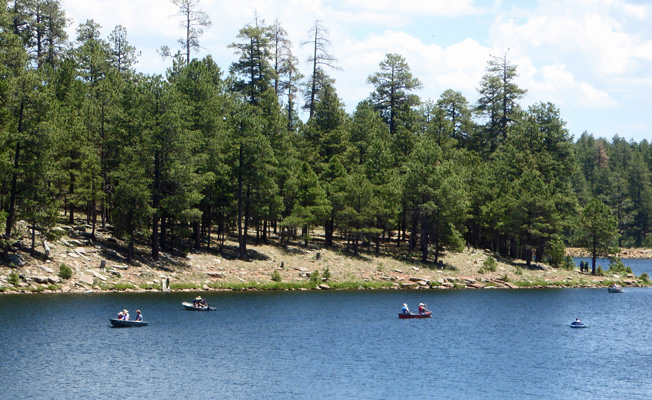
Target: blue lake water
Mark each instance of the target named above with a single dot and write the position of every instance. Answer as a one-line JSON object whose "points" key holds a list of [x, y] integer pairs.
{"points": [[485, 344], [638, 266]]}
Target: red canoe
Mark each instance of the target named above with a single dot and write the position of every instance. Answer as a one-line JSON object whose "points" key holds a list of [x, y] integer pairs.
{"points": [[405, 316]]}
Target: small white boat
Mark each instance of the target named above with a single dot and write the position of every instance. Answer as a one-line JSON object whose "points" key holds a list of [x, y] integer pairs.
{"points": [[191, 307], [121, 323]]}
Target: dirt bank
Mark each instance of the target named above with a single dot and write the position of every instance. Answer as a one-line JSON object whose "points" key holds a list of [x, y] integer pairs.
{"points": [[99, 265]]}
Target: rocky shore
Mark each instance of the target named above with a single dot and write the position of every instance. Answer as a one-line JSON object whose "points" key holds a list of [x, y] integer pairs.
{"points": [[98, 265], [637, 253]]}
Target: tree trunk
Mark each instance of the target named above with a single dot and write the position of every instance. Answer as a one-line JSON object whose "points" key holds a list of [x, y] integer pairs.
{"points": [[242, 243], [14, 191], [329, 227], [425, 228], [197, 234], [156, 204], [71, 191]]}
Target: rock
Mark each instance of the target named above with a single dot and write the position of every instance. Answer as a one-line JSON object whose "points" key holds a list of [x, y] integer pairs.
{"points": [[475, 285], [215, 274], [324, 287], [87, 279], [17, 260], [53, 279], [113, 254], [46, 269], [415, 268], [98, 275], [46, 248], [120, 266], [398, 271], [40, 279], [66, 289]]}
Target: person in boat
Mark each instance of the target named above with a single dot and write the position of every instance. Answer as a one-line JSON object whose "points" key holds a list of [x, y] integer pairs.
{"points": [[139, 316], [203, 303], [120, 314], [125, 315], [406, 310], [197, 301], [422, 309], [577, 321]]}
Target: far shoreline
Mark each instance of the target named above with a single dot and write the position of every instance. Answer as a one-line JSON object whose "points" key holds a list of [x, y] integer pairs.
{"points": [[99, 266]]}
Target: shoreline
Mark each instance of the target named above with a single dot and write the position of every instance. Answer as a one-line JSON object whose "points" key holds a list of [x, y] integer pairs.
{"points": [[98, 266]]}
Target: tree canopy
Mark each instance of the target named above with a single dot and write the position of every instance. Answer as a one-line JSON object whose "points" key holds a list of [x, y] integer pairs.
{"points": [[206, 151]]}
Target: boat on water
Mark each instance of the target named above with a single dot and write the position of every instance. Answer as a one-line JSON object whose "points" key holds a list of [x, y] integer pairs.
{"points": [[578, 324], [192, 307], [121, 323], [616, 289], [408, 316]]}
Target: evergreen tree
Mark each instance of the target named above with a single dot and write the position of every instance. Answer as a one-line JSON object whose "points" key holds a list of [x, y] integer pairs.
{"points": [[393, 89], [193, 21], [253, 72], [499, 95], [123, 55], [319, 60], [456, 110], [598, 230]]}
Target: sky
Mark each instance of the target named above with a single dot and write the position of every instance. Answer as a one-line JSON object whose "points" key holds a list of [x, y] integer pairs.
{"points": [[591, 58]]}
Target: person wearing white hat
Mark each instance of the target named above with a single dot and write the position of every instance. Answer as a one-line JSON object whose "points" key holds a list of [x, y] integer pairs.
{"points": [[422, 308], [406, 310], [125, 315]]}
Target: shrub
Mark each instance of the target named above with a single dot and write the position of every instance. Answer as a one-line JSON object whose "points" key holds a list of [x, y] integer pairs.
{"points": [[556, 252], [616, 266], [276, 276], [184, 285], [14, 279], [644, 277], [599, 271], [123, 286], [65, 272], [314, 277], [327, 274], [490, 264]]}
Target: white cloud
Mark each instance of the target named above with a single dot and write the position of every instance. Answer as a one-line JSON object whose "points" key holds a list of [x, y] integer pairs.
{"points": [[581, 55], [419, 7]]}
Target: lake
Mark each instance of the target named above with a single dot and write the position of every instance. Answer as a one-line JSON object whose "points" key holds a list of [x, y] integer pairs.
{"points": [[638, 266], [480, 344]]}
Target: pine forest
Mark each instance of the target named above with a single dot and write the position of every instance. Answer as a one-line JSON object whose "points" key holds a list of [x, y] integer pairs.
{"points": [[184, 160]]}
